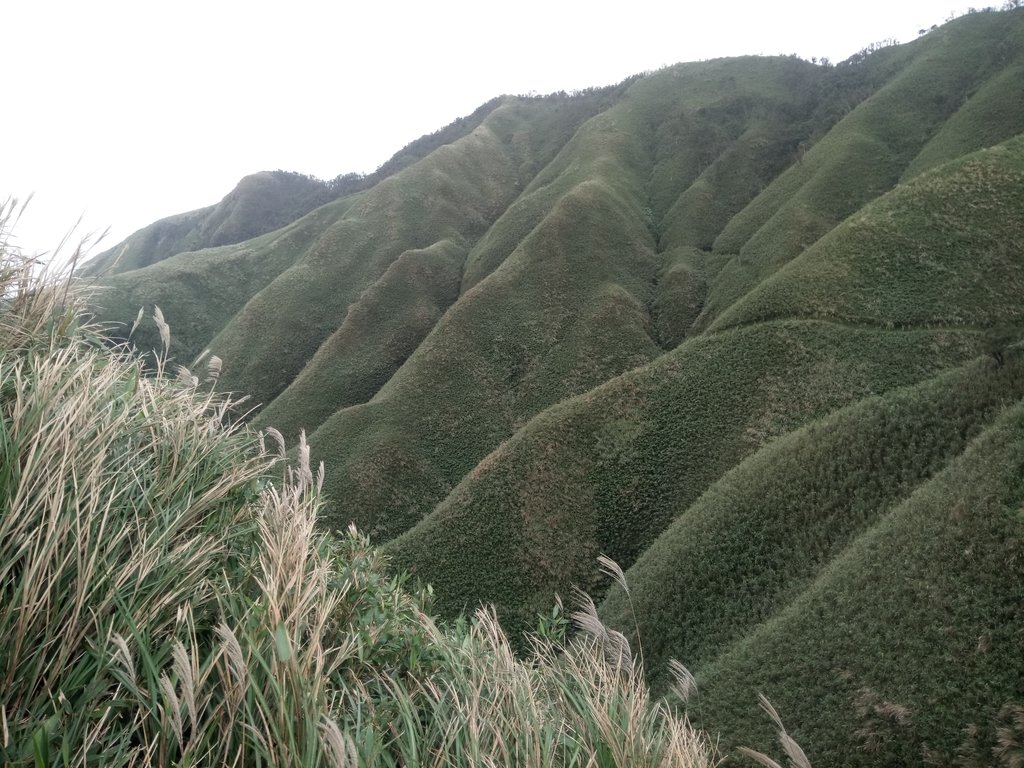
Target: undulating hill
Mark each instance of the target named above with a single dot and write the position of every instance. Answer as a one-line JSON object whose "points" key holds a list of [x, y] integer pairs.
{"points": [[260, 203], [744, 325]]}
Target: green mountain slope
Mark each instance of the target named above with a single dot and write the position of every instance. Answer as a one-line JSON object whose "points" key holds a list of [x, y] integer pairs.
{"points": [[873, 146], [906, 648], [610, 470], [263, 202], [260, 203], [781, 516], [726, 322], [945, 246]]}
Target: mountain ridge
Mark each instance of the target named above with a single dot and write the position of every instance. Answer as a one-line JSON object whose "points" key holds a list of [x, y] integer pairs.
{"points": [[568, 328]]}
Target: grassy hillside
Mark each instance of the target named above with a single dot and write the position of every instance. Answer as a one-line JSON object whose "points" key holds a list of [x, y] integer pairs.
{"points": [[609, 471], [167, 600], [922, 86], [725, 322], [263, 202], [201, 291], [575, 302], [381, 330], [260, 203], [780, 517], [906, 649], [946, 247]]}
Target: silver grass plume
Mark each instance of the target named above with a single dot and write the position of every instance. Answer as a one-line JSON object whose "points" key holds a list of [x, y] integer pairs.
{"points": [[185, 377], [138, 319], [305, 473], [685, 684], [278, 438], [611, 568], [614, 644], [213, 369], [163, 327], [797, 758]]}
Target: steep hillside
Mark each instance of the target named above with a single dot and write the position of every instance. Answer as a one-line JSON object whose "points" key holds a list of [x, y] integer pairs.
{"points": [[610, 470], [739, 324], [906, 649]]}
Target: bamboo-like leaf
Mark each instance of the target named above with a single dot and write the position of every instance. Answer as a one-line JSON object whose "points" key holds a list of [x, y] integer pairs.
{"points": [[283, 643]]}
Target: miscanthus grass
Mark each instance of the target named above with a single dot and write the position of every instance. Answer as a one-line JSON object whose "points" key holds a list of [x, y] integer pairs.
{"points": [[167, 599]]}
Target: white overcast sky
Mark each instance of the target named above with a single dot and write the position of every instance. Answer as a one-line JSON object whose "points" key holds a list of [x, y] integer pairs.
{"points": [[126, 112]]}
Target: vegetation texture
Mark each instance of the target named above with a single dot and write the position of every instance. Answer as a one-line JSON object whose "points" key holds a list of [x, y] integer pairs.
{"points": [[748, 326], [167, 600]]}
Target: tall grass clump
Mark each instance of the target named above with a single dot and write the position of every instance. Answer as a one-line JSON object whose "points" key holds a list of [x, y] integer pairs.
{"points": [[127, 504], [167, 598], [569, 703]]}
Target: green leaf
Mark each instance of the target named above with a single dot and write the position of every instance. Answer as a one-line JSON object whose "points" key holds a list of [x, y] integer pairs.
{"points": [[284, 645], [41, 747]]}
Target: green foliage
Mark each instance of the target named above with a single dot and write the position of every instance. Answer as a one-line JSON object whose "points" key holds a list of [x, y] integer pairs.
{"points": [[921, 86], [551, 209], [381, 330], [679, 295], [507, 349], [779, 518], [260, 203]]}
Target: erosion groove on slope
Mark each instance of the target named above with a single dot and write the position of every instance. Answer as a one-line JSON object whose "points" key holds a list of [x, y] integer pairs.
{"points": [[779, 517], [609, 470]]}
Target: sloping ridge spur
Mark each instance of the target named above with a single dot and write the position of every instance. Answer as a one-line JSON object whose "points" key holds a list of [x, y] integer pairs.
{"points": [[906, 647]]}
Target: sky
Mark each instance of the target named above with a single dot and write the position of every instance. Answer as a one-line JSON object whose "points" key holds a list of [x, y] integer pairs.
{"points": [[116, 114]]}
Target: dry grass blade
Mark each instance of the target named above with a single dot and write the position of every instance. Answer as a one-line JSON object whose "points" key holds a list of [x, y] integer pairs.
{"points": [[766, 705], [183, 668], [612, 569], [305, 474], [585, 616], [618, 652], [236, 680], [338, 747], [185, 377], [796, 755], [1009, 749], [172, 708], [613, 644], [123, 655], [279, 439], [793, 750], [138, 319], [758, 757]]}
